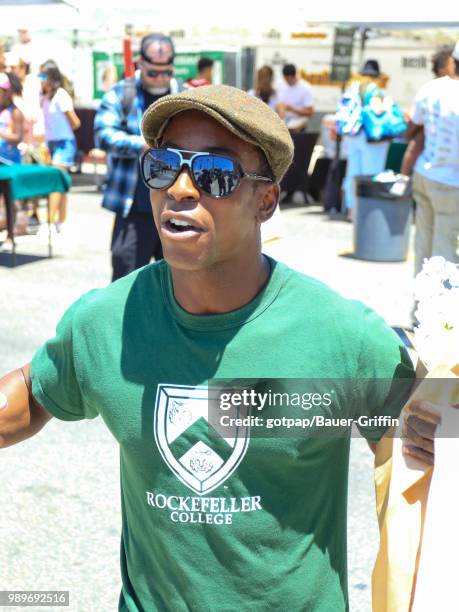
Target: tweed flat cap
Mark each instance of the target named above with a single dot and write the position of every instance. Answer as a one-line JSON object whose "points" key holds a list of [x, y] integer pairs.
{"points": [[245, 116]]}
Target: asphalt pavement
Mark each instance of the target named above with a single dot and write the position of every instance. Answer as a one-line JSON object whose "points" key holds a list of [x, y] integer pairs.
{"points": [[59, 493]]}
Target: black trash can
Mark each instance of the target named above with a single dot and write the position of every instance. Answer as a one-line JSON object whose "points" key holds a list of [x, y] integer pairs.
{"points": [[382, 221]]}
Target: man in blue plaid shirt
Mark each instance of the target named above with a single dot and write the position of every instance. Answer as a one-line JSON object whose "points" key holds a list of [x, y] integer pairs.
{"points": [[135, 238]]}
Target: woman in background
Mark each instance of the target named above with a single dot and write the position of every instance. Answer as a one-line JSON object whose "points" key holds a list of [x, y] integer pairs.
{"points": [[60, 121], [11, 119], [28, 101], [264, 86], [33, 148], [273, 229], [11, 131]]}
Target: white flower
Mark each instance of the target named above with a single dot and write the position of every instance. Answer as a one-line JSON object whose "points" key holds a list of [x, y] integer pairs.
{"points": [[435, 266]]}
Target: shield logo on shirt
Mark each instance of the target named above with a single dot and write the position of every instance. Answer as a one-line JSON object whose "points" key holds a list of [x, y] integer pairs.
{"points": [[198, 455]]}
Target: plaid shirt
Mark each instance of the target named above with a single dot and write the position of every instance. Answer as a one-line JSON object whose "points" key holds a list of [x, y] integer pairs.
{"points": [[124, 146]]}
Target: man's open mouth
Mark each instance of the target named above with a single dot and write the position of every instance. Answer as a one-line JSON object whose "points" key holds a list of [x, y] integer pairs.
{"points": [[178, 226]]}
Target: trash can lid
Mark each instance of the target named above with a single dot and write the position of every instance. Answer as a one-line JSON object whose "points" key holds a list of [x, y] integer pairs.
{"points": [[397, 189]]}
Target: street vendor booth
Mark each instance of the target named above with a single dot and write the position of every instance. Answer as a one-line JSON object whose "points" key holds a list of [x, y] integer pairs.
{"points": [[20, 182]]}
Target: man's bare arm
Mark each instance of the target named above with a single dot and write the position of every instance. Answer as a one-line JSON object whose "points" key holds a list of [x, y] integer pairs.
{"points": [[413, 151], [305, 111], [21, 416], [411, 130]]}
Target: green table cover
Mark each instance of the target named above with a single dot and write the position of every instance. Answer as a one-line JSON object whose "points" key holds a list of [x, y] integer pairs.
{"points": [[30, 181]]}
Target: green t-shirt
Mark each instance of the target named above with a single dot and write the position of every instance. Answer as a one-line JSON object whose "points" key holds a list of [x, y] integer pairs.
{"points": [[250, 523]]}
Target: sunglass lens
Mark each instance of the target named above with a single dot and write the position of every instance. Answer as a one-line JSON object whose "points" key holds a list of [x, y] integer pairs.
{"points": [[160, 168], [215, 175]]}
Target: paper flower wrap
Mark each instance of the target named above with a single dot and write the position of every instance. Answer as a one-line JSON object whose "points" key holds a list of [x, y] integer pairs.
{"points": [[418, 505]]}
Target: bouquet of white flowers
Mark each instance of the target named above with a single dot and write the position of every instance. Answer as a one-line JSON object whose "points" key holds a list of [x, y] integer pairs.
{"points": [[436, 339]]}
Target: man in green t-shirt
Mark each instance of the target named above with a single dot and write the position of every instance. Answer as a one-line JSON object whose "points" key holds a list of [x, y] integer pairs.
{"points": [[250, 516]]}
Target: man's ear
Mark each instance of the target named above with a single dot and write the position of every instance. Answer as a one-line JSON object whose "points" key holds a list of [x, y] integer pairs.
{"points": [[268, 200]]}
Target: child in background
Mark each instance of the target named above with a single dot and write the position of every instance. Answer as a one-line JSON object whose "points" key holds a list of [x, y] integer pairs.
{"points": [[60, 122]]}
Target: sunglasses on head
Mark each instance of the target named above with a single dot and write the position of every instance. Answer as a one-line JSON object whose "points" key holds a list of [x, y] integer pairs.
{"points": [[216, 175], [157, 73]]}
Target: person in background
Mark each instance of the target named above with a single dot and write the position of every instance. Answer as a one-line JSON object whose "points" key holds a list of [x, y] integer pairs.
{"points": [[294, 106], [363, 157], [29, 101], [295, 102], [26, 48], [442, 65], [204, 76], [60, 121], [13, 64], [32, 147], [135, 238], [11, 129], [443, 62], [436, 172], [264, 88], [11, 118]]}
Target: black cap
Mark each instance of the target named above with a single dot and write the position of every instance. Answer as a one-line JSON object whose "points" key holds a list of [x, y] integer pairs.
{"points": [[371, 68]]}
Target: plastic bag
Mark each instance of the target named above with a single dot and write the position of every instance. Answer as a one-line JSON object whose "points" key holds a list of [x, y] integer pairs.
{"points": [[349, 113], [381, 117]]}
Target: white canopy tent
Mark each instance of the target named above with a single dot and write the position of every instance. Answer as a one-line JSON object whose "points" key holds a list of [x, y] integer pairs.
{"points": [[256, 15], [38, 15]]}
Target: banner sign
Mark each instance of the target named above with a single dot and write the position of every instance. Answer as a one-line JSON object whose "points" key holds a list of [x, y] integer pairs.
{"points": [[342, 54]]}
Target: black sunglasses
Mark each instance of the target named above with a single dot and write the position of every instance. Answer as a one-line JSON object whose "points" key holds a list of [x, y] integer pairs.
{"points": [[216, 175], [157, 73]]}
